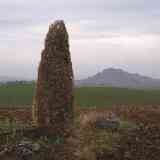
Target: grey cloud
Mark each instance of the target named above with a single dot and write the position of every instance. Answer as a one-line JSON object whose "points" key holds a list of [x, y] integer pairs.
{"points": [[99, 22]]}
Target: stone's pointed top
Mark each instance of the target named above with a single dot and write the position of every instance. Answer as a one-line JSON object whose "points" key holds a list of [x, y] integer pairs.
{"points": [[57, 36], [58, 25], [58, 22]]}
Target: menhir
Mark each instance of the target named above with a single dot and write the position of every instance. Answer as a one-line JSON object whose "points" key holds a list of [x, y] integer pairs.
{"points": [[53, 107]]}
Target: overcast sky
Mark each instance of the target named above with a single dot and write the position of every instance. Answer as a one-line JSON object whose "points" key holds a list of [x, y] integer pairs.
{"points": [[103, 33]]}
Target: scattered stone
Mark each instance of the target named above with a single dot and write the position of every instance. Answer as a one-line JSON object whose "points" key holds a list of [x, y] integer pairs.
{"points": [[102, 123], [26, 142], [4, 151], [36, 147], [23, 152], [142, 143]]}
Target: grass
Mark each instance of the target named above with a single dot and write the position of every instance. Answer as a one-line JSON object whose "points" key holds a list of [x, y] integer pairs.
{"points": [[8, 125], [16, 94], [109, 96]]}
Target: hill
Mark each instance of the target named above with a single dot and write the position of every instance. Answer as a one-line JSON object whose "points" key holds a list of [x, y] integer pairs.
{"points": [[119, 78]]}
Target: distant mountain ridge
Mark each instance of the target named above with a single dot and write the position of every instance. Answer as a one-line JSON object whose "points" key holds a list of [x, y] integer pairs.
{"points": [[119, 78], [4, 79], [108, 77]]}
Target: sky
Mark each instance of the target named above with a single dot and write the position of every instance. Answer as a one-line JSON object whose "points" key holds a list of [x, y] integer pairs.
{"points": [[103, 33]]}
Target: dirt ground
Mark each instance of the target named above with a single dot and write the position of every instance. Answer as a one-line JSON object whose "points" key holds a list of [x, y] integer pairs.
{"points": [[88, 142]]}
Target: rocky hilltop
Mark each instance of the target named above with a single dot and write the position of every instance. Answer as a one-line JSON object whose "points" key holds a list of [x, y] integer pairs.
{"points": [[119, 78]]}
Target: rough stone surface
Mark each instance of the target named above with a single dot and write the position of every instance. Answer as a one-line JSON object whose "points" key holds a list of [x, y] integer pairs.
{"points": [[53, 106], [141, 143]]}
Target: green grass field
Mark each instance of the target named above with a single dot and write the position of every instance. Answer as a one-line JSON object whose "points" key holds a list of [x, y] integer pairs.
{"points": [[22, 94], [109, 96], [16, 94]]}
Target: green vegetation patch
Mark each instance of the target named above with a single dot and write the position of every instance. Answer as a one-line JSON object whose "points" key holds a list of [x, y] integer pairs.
{"points": [[16, 94], [109, 96], [21, 94]]}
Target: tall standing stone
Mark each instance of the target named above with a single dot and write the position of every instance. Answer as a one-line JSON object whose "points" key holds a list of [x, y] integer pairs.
{"points": [[54, 89]]}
